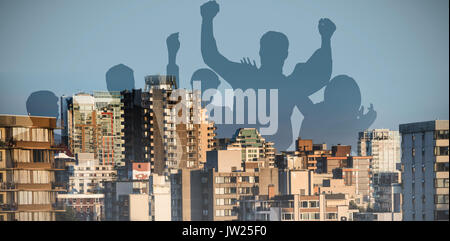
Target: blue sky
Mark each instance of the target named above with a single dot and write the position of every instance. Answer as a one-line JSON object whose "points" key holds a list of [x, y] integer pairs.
{"points": [[397, 51]]}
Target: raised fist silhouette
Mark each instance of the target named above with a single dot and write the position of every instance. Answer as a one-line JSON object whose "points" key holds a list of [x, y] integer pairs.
{"points": [[326, 28], [173, 44], [209, 9]]}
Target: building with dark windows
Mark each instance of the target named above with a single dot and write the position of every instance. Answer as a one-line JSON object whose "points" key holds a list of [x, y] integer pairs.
{"points": [[425, 170]]}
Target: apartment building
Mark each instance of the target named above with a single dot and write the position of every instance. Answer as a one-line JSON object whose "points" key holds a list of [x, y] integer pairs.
{"points": [[384, 146], [94, 125], [322, 207], [190, 195], [425, 170], [127, 200], [27, 169], [87, 207], [177, 139], [388, 193], [89, 176], [253, 146]]}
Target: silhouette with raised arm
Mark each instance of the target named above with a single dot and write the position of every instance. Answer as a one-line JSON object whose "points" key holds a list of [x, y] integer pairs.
{"points": [[207, 78], [42, 103], [306, 79], [339, 118], [120, 77]]}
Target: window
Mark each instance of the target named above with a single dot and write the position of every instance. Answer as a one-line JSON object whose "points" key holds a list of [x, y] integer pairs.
{"points": [[219, 180], [439, 182], [316, 216], [2, 198], [304, 204], [228, 212], [331, 215], [441, 135], [441, 151], [220, 190], [287, 216], [441, 199], [220, 213], [1, 177], [441, 167], [220, 201], [314, 204], [304, 216]]}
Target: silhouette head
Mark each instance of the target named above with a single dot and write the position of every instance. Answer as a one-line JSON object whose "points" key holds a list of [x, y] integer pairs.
{"points": [[343, 94], [273, 49], [42, 103], [207, 77], [119, 78]]}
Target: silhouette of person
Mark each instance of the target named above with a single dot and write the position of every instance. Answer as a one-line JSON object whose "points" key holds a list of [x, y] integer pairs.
{"points": [[119, 77], [42, 103], [207, 78], [339, 117], [306, 79]]}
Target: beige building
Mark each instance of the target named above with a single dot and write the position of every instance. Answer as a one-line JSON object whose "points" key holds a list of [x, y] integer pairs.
{"points": [[253, 146], [322, 207], [87, 207], [127, 200], [89, 175], [225, 160], [27, 169]]}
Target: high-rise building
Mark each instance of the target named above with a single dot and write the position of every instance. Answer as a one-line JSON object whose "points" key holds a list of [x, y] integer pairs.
{"points": [[425, 170], [177, 139], [27, 168], [94, 125], [253, 146], [384, 146]]}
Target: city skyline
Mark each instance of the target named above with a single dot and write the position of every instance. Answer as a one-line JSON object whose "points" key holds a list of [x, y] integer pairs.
{"points": [[383, 45], [214, 110]]}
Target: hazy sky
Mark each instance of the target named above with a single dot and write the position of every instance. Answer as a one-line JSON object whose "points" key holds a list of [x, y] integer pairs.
{"points": [[397, 51]]}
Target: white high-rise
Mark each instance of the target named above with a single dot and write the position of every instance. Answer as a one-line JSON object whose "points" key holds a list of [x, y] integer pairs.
{"points": [[384, 146]]}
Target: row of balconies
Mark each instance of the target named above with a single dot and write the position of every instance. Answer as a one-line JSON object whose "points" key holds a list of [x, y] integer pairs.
{"points": [[13, 207], [12, 186]]}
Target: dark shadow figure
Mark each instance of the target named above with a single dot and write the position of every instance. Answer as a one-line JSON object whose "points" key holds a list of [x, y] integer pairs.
{"points": [[208, 81], [42, 103], [120, 77], [306, 79], [339, 118]]}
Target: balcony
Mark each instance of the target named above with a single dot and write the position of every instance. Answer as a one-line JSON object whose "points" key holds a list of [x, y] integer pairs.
{"points": [[8, 207], [8, 186]]}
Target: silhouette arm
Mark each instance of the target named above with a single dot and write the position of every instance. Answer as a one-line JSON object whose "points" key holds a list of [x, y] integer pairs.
{"points": [[229, 70], [173, 69], [305, 105], [173, 45], [316, 72]]}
